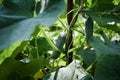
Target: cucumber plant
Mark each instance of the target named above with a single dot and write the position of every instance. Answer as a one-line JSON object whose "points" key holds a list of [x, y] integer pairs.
{"points": [[45, 40]]}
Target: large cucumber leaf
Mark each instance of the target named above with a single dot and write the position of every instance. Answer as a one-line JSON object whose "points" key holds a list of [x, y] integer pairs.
{"points": [[108, 57], [14, 11], [18, 24], [88, 56], [73, 71]]}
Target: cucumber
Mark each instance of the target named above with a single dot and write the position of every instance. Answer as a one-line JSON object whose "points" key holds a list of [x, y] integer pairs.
{"points": [[59, 44], [88, 28]]}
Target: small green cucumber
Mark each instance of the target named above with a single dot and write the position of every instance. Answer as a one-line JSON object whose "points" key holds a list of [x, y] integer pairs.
{"points": [[88, 28], [60, 43]]}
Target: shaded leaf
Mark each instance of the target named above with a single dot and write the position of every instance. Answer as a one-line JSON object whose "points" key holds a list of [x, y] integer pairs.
{"points": [[104, 18], [14, 11], [42, 45], [29, 77], [112, 27], [11, 67], [102, 5], [88, 56], [112, 44], [104, 12], [108, 57], [19, 5]]}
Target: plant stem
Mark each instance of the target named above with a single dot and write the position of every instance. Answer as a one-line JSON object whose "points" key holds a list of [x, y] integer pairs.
{"points": [[69, 42], [36, 46], [48, 39], [71, 22]]}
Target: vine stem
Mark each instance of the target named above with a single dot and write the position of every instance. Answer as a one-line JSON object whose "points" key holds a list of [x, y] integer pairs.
{"points": [[48, 39], [71, 22], [69, 41]]}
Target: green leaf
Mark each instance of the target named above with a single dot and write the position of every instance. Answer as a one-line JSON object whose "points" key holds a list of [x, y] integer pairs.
{"points": [[14, 11], [112, 44], [12, 51], [51, 12], [16, 32], [104, 12], [20, 6], [102, 5], [19, 26], [11, 68], [116, 1], [100, 47], [48, 40], [1, 2], [104, 18], [108, 57], [73, 71], [112, 27], [88, 56], [42, 45], [29, 77]]}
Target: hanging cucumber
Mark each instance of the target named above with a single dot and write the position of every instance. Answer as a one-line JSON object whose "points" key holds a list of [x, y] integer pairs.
{"points": [[59, 44], [88, 28]]}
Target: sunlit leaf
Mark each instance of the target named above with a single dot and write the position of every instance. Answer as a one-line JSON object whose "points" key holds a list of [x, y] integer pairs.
{"points": [[12, 51]]}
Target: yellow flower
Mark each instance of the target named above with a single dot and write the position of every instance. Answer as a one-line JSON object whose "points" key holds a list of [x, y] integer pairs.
{"points": [[38, 75]]}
